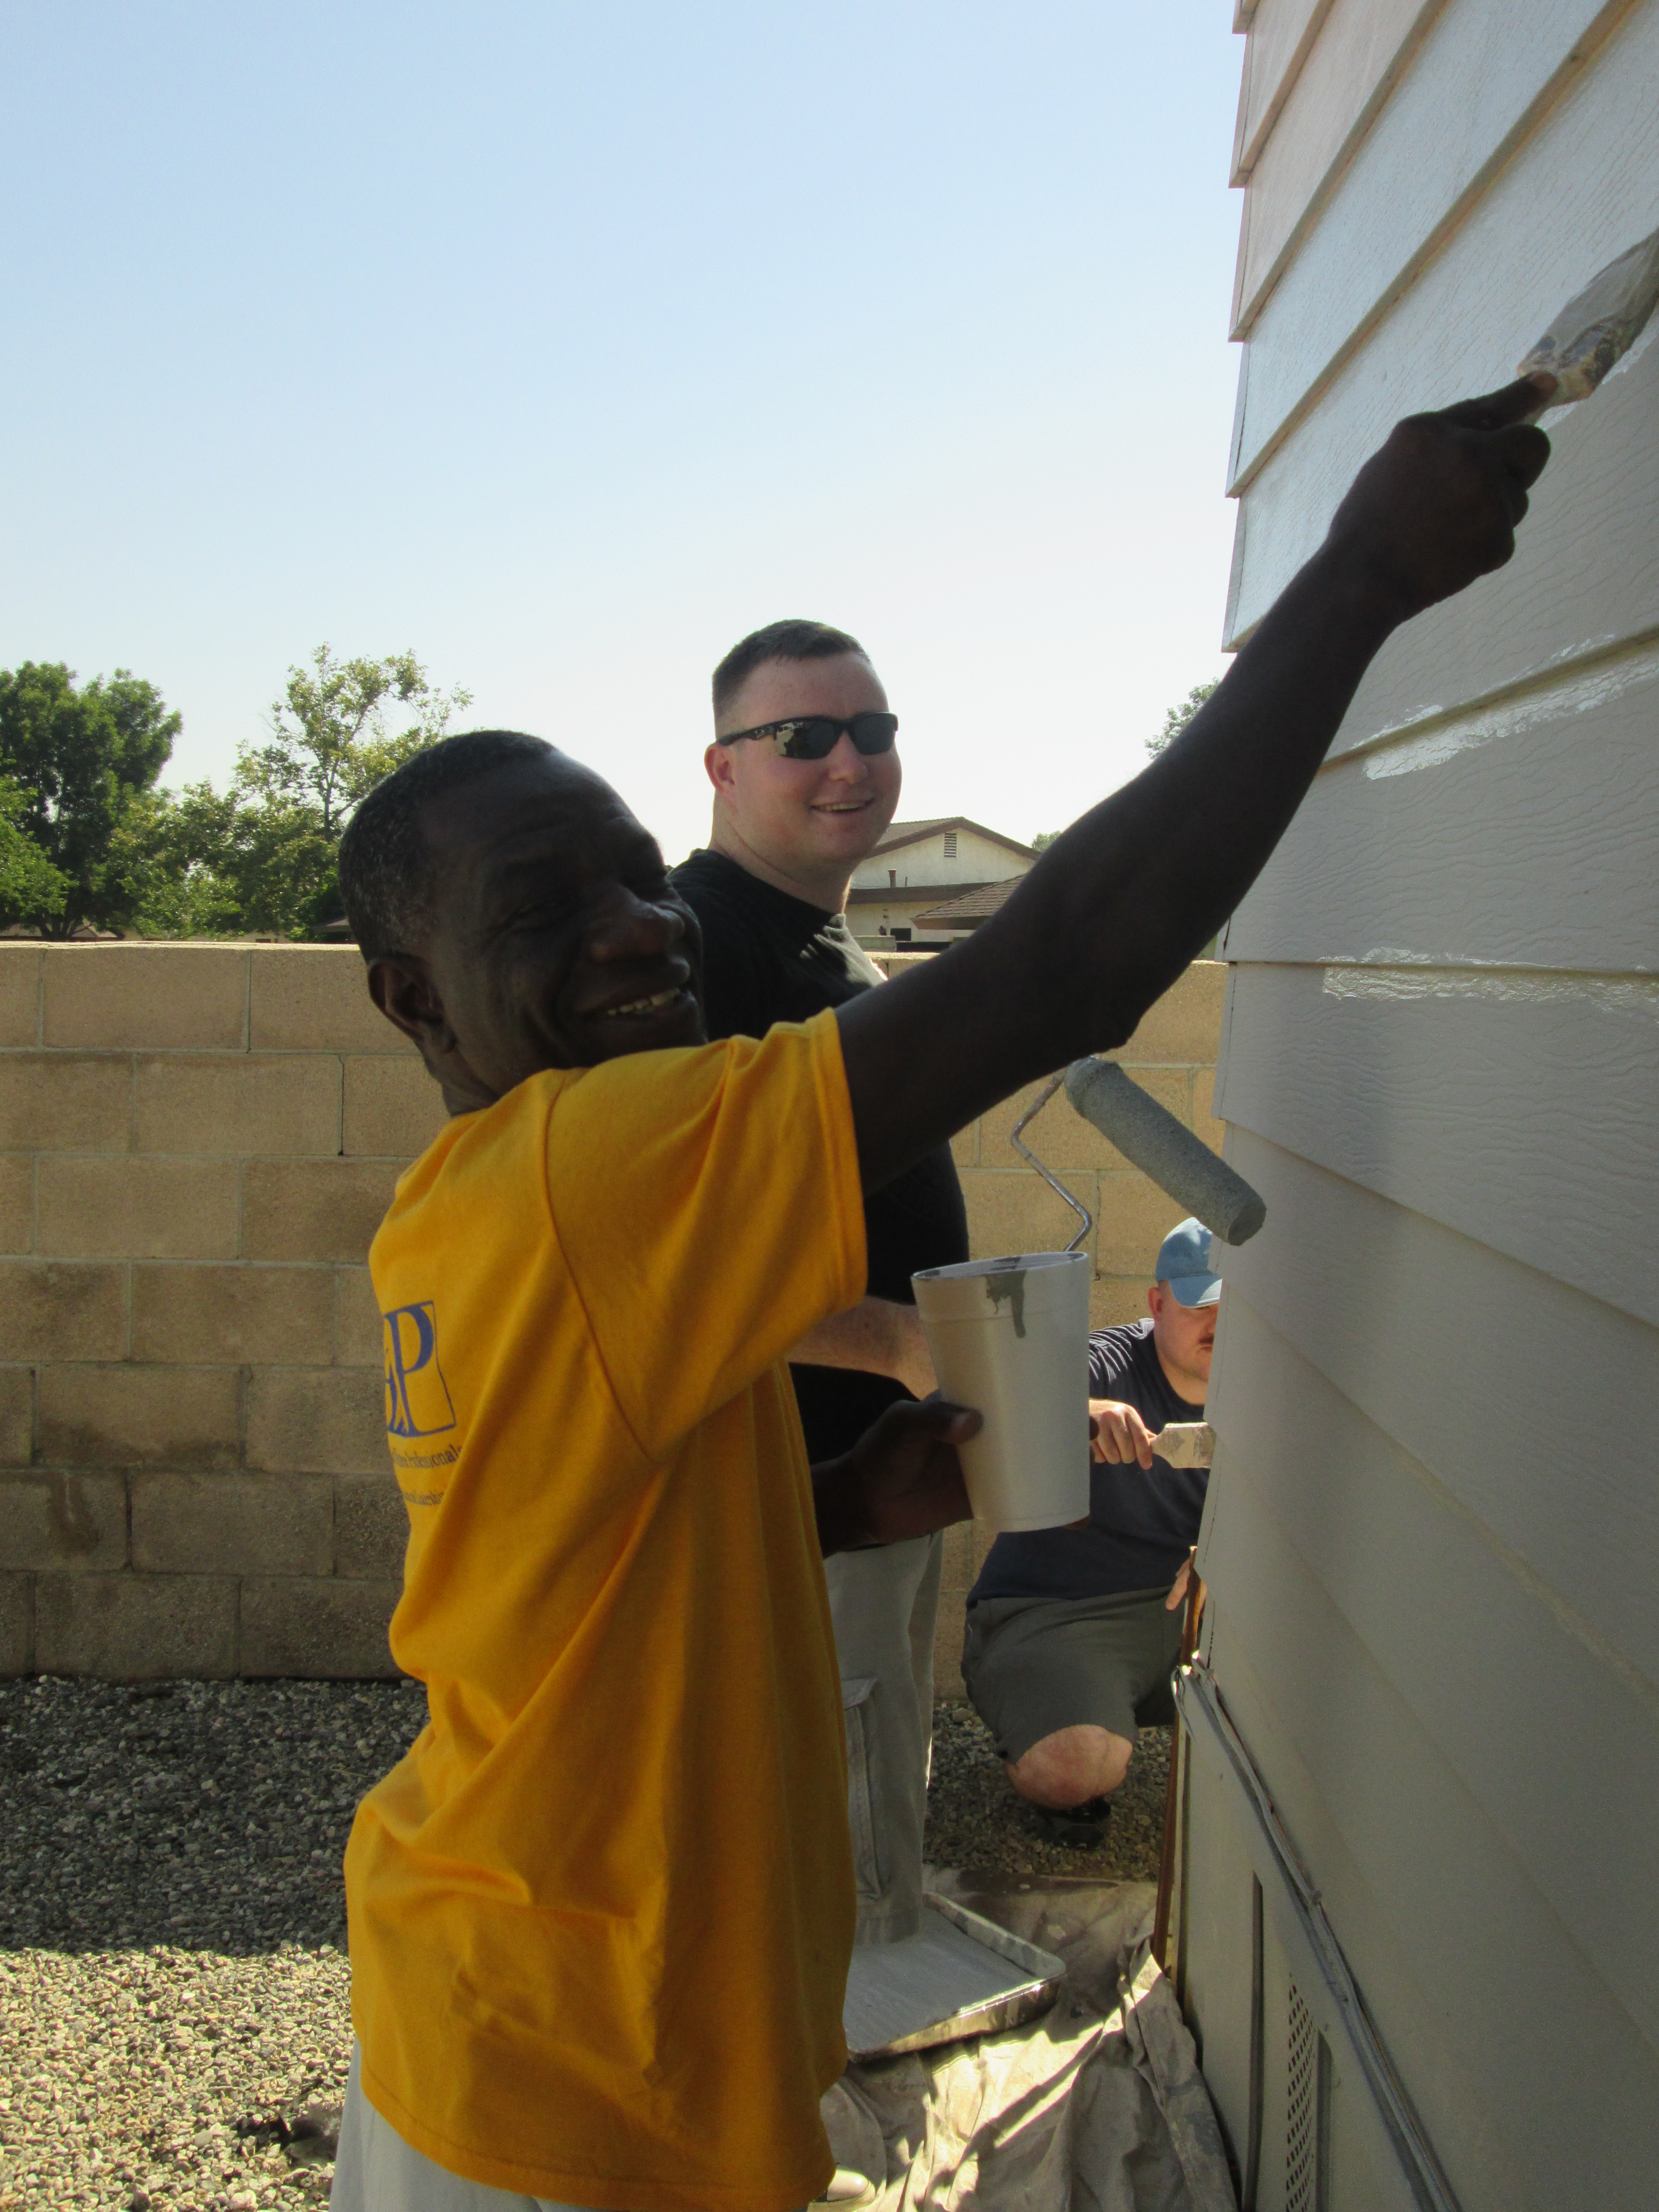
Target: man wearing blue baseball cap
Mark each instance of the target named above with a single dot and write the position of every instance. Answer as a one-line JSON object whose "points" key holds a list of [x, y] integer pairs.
{"points": [[1073, 1633]]}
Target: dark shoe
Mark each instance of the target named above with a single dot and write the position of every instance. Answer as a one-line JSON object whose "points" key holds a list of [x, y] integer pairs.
{"points": [[1078, 1828]]}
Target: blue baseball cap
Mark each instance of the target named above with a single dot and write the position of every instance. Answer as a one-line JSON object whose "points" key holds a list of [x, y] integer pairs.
{"points": [[1183, 1262]]}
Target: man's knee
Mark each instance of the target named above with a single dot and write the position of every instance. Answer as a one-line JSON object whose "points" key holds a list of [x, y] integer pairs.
{"points": [[1070, 1767]]}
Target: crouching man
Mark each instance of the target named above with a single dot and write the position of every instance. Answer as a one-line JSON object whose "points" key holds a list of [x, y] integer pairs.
{"points": [[1073, 1633]]}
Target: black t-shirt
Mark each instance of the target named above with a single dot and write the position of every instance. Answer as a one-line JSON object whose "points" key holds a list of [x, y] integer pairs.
{"points": [[769, 958], [1142, 1523]]}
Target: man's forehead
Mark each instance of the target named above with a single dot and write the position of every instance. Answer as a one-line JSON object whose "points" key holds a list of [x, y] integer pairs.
{"points": [[520, 809]]}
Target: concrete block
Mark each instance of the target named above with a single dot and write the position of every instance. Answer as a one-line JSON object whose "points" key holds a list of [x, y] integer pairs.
{"points": [[956, 1567], [1114, 1298], [393, 1109], [313, 1209], [1059, 1136], [314, 997], [178, 1417], [316, 1420], [283, 1104], [1135, 1218], [16, 1202], [17, 1416], [964, 1146], [1018, 1212], [233, 1524], [357, 1328], [226, 1315], [160, 998], [65, 1103], [324, 1630], [57, 1309], [371, 1527], [63, 1521], [19, 993], [1185, 1023], [16, 1625], [134, 1628], [1204, 1120], [949, 1688], [138, 1209]]}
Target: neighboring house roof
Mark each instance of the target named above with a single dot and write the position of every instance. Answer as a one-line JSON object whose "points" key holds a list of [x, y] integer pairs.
{"points": [[970, 909], [912, 833]]}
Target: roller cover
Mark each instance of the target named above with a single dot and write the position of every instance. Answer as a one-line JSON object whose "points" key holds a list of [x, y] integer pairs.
{"points": [[1166, 1150]]}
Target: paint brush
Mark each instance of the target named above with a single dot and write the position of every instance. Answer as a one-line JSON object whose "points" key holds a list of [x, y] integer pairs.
{"points": [[1597, 327]]}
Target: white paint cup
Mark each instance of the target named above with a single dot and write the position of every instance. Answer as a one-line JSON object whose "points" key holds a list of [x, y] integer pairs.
{"points": [[1011, 1337]]}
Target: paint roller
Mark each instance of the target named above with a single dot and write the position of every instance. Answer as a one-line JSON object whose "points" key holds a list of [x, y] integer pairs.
{"points": [[1149, 1136]]}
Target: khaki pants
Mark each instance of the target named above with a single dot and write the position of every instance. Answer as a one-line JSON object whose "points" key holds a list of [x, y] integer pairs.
{"points": [[884, 1602]]}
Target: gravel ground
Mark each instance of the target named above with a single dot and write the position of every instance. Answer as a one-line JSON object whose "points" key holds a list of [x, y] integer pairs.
{"points": [[173, 2024], [974, 1818]]}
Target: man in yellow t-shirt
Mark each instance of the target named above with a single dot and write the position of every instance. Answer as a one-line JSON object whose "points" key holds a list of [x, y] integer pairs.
{"points": [[600, 1915]]}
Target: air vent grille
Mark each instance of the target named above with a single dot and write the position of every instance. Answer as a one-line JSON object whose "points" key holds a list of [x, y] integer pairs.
{"points": [[1302, 2110]]}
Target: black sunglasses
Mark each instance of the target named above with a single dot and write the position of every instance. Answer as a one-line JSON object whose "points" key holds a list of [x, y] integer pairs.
{"points": [[814, 737]]}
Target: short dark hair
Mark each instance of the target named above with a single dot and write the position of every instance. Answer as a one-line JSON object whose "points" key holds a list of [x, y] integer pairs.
{"points": [[779, 640], [386, 877]]}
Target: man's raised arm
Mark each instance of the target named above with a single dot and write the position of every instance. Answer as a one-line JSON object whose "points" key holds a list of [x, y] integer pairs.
{"points": [[1116, 907]]}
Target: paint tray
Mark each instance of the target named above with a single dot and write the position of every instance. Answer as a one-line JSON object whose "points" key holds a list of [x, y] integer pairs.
{"points": [[959, 1975]]}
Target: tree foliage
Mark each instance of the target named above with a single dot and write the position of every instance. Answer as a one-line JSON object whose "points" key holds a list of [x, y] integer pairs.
{"points": [[80, 759], [31, 890], [261, 856], [1178, 719]]}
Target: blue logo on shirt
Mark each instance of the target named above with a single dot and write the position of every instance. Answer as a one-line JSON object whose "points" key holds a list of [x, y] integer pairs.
{"points": [[417, 1400]]}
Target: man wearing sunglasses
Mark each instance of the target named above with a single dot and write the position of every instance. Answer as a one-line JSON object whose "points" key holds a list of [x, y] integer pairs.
{"points": [[806, 779]]}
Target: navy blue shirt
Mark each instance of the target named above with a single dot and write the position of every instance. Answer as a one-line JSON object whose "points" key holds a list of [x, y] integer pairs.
{"points": [[1141, 1525]]}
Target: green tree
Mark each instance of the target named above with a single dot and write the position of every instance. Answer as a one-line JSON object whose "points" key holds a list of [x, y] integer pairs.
{"points": [[1178, 719], [81, 757], [31, 890], [261, 856], [330, 739]]}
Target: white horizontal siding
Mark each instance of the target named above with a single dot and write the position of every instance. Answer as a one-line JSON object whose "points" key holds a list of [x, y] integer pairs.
{"points": [[1499, 2028], [1585, 185], [1282, 34], [1522, 1109], [1432, 1596], [1530, 1403], [1475, 92], [1318, 116], [1433, 1530], [1523, 835]]}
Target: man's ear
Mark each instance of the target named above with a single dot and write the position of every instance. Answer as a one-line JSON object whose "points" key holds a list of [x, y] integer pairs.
{"points": [[717, 766], [404, 991]]}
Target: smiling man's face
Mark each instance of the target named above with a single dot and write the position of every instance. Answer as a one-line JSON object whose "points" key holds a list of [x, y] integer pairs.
{"points": [[809, 823], [555, 940]]}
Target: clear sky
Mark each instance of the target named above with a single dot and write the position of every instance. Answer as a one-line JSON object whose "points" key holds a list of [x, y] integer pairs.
{"points": [[567, 343]]}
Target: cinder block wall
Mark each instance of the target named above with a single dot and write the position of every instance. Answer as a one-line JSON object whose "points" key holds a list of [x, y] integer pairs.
{"points": [[1173, 1055], [196, 1142]]}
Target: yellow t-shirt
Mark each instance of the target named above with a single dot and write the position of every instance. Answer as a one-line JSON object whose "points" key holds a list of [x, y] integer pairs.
{"points": [[601, 1914]]}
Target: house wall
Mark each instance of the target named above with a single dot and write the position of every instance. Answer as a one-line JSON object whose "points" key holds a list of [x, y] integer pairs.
{"points": [[978, 860], [196, 1143], [1432, 1540]]}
